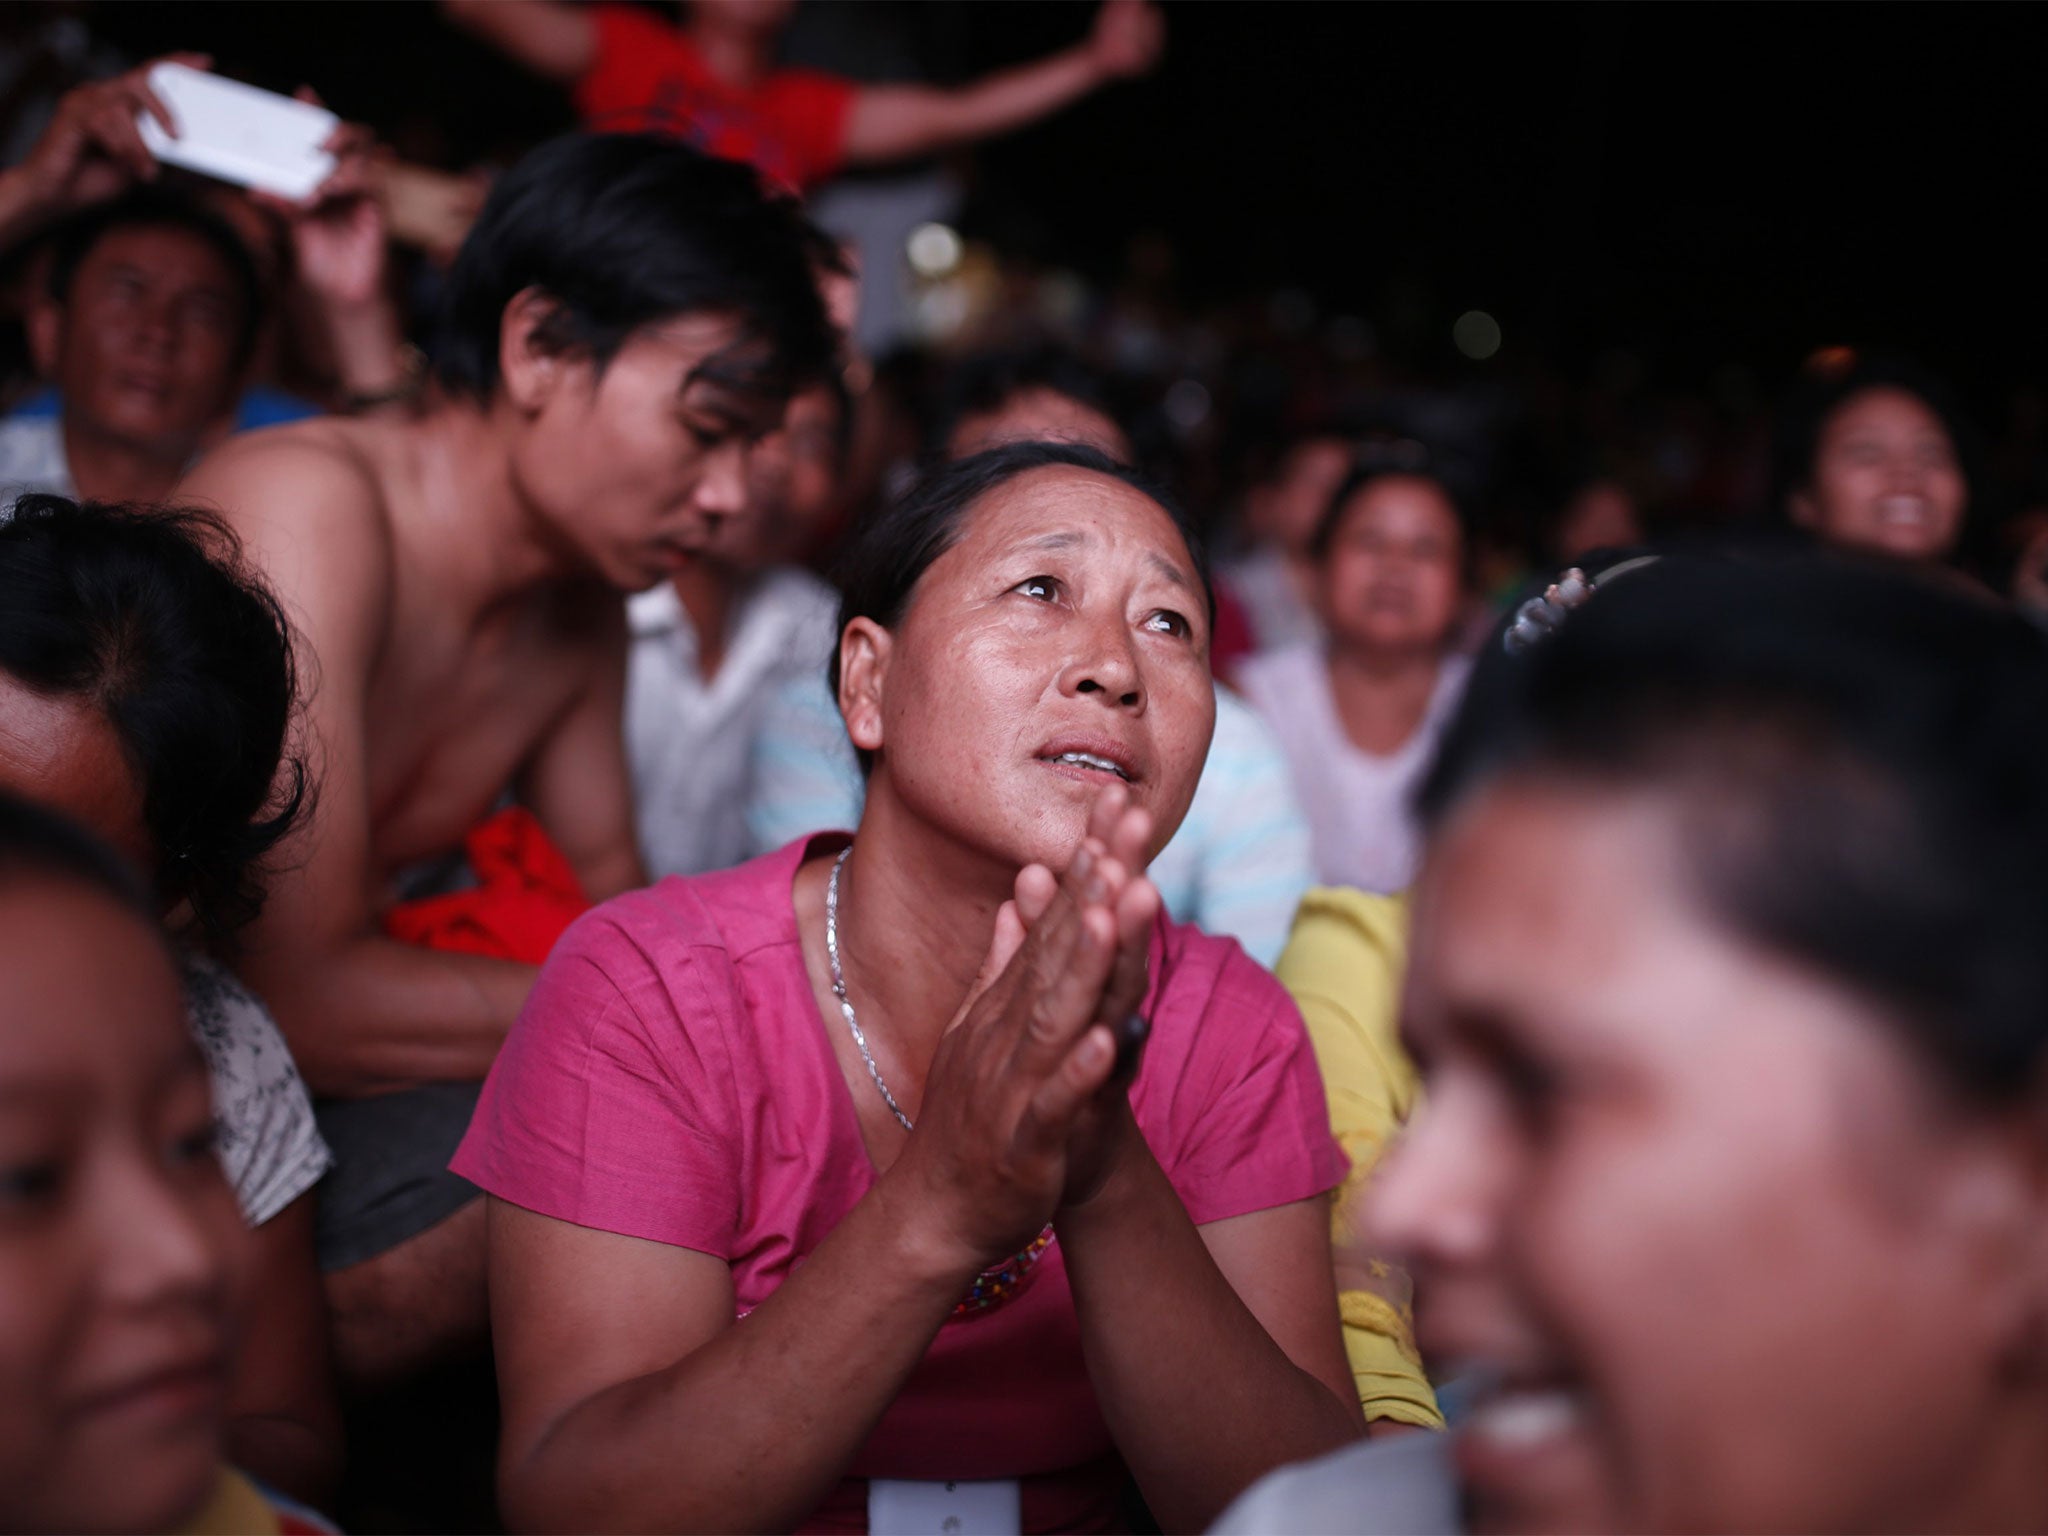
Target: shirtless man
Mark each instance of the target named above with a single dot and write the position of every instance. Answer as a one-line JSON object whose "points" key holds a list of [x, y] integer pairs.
{"points": [[627, 318]]}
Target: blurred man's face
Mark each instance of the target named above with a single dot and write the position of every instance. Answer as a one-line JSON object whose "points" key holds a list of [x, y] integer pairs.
{"points": [[1685, 1212], [144, 347], [643, 466]]}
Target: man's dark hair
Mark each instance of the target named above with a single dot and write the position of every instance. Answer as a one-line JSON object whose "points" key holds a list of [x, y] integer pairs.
{"points": [[149, 616], [982, 384], [161, 208], [622, 231], [39, 844], [1859, 761], [891, 550]]}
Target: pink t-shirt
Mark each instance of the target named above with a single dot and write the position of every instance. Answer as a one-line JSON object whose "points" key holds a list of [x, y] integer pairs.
{"points": [[671, 1079]]}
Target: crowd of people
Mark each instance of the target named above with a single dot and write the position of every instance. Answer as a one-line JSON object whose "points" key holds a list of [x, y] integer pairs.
{"points": [[965, 942]]}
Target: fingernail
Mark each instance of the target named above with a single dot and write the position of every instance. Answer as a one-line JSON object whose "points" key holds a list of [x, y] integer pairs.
{"points": [[1083, 861]]}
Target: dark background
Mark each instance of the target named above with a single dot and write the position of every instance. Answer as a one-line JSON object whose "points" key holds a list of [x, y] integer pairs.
{"points": [[1701, 186]]}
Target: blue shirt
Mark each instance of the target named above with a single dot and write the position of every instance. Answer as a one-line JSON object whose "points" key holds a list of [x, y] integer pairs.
{"points": [[261, 406]]}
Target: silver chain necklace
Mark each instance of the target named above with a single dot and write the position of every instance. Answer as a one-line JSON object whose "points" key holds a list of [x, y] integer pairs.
{"points": [[999, 1282], [839, 988]]}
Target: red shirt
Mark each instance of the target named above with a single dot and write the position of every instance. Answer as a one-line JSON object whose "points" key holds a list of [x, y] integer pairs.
{"points": [[649, 77], [671, 1079]]}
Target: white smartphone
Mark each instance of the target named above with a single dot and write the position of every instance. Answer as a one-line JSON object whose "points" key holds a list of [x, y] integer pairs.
{"points": [[238, 133]]}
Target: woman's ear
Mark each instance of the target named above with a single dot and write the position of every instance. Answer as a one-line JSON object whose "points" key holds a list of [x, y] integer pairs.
{"points": [[531, 362], [863, 675], [1804, 514], [1997, 1217]]}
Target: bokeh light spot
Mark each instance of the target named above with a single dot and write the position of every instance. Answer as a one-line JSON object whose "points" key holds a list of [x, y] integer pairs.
{"points": [[934, 249], [1476, 334]]}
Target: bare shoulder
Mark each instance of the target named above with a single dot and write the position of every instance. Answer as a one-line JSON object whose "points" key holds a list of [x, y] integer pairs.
{"points": [[310, 502], [324, 469]]}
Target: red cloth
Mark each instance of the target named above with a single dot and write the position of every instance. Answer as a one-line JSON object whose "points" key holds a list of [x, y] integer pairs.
{"points": [[1230, 641], [525, 895], [649, 77]]}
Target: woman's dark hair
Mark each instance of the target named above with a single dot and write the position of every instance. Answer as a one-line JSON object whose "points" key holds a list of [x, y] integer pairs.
{"points": [[984, 383], [149, 615], [1860, 760], [39, 844], [160, 208], [890, 551], [1372, 462], [623, 231], [1818, 394]]}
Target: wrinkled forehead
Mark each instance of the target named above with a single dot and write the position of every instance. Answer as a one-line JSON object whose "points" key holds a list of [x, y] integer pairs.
{"points": [[1069, 510]]}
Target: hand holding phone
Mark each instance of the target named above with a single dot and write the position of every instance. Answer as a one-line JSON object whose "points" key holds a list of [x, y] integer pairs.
{"points": [[238, 133]]}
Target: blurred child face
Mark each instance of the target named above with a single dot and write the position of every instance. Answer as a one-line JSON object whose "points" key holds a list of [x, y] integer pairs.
{"points": [[1726, 1258], [121, 1247], [1392, 580], [1885, 478]]}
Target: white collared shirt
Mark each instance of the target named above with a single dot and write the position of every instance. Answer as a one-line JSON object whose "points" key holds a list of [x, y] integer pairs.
{"points": [[32, 458], [689, 743]]}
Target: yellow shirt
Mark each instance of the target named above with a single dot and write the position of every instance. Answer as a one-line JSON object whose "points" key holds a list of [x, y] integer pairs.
{"points": [[1343, 964], [237, 1507]]}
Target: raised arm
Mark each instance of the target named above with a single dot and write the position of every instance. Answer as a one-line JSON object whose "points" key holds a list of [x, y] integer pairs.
{"points": [[895, 122], [555, 40], [362, 1012], [577, 784], [90, 151]]}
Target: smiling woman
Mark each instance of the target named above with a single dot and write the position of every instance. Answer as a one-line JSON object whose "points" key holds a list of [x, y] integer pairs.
{"points": [[851, 1208], [123, 1264], [1730, 1199], [1879, 457]]}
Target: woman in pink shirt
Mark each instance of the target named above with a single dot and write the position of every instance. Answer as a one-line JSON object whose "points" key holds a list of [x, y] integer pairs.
{"points": [[822, 1191]]}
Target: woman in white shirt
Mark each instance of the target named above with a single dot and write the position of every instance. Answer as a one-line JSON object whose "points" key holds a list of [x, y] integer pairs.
{"points": [[1358, 713]]}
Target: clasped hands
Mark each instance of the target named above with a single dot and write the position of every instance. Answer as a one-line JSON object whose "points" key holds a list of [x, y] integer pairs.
{"points": [[1024, 1110]]}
